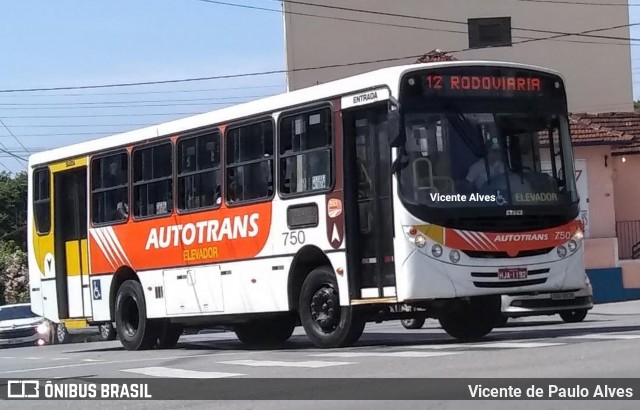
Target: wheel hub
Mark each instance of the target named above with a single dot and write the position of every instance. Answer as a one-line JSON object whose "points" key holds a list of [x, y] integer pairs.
{"points": [[325, 308]]}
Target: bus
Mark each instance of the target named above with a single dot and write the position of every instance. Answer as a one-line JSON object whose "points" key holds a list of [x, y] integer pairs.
{"points": [[409, 191]]}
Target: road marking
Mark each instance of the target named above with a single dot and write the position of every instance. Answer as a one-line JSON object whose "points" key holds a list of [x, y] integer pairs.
{"points": [[148, 359], [384, 354], [270, 363], [605, 336], [91, 360], [491, 345], [180, 373]]}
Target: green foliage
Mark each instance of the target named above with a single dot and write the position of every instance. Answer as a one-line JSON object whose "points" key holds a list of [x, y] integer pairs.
{"points": [[14, 278], [13, 208], [15, 275]]}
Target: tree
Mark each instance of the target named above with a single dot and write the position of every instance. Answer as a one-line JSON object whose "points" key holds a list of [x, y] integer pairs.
{"points": [[15, 275], [14, 278], [13, 208]]}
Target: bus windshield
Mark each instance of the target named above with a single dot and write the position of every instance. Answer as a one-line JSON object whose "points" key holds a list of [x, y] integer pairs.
{"points": [[486, 138]]}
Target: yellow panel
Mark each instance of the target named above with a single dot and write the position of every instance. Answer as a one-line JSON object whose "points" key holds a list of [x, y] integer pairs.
{"points": [[73, 258], [69, 164], [435, 232], [41, 246], [75, 323], [84, 248]]}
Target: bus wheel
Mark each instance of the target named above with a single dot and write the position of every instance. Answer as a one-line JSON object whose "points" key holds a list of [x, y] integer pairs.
{"points": [[107, 331], [413, 323], [574, 316], [327, 323], [473, 319], [271, 332], [135, 331], [168, 335], [62, 334]]}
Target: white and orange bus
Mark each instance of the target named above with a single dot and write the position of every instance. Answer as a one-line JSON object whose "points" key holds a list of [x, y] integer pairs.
{"points": [[409, 191]]}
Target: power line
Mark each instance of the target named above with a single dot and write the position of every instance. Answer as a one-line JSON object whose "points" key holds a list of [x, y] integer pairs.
{"points": [[13, 135], [439, 20], [104, 115], [581, 3], [151, 92], [124, 106], [139, 101]]}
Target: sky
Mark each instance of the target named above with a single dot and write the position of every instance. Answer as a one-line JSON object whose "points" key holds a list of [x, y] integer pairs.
{"points": [[79, 42]]}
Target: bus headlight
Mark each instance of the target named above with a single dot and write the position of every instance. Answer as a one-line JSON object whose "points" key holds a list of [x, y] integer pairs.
{"points": [[572, 245], [454, 256], [420, 241], [562, 251], [43, 328], [436, 250]]}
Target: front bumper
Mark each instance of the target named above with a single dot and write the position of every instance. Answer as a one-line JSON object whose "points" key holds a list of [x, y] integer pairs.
{"points": [[21, 337], [546, 304]]}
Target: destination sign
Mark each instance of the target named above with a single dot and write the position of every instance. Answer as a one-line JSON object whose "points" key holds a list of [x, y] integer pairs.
{"points": [[483, 82]]}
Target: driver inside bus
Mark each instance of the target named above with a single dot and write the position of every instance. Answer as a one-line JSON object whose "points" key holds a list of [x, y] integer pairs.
{"points": [[477, 175]]}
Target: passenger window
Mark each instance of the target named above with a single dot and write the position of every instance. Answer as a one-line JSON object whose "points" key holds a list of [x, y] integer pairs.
{"points": [[152, 181], [199, 172], [249, 162], [110, 188], [42, 201], [305, 152]]}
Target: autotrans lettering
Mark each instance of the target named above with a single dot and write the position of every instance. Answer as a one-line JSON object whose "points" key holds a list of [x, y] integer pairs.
{"points": [[214, 230], [522, 237], [484, 83]]}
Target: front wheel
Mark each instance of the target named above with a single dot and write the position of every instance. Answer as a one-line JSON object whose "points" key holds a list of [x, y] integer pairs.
{"points": [[62, 334], [107, 332], [326, 323], [168, 335], [474, 318], [135, 331], [413, 323], [574, 316]]}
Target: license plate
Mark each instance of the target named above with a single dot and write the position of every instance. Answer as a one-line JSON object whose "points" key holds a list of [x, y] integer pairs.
{"points": [[563, 296], [15, 341], [512, 273]]}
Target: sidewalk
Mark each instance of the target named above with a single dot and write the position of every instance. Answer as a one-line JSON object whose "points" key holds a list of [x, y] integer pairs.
{"points": [[619, 308]]}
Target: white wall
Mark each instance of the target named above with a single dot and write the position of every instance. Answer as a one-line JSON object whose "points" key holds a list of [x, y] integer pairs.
{"points": [[598, 76]]}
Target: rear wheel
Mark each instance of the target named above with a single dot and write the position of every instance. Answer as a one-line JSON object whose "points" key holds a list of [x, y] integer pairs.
{"points": [[474, 318], [327, 323], [135, 331], [107, 331], [168, 335], [413, 323], [574, 316], [265, 332]]}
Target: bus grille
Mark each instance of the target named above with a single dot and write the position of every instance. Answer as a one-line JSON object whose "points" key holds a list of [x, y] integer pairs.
{"points": [[17, 333], [495, 274], [510, 283], [504, 255]]}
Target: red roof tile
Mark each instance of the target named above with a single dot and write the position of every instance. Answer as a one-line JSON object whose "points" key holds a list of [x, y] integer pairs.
{"points": [[624, 123], [585, 131]]}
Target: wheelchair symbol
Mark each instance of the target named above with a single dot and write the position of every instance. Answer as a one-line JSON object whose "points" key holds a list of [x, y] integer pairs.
{"points": [[500, 200], [97, 292]]}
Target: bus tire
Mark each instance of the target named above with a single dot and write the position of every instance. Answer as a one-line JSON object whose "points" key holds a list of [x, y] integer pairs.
{"points": [[271, 332], [574, 316], [168, 335], [413, 323], [135, 331], [473, 319], [326, 323]]}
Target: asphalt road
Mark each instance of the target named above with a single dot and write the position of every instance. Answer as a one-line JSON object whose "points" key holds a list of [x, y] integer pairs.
{"points": [[605, 345]]}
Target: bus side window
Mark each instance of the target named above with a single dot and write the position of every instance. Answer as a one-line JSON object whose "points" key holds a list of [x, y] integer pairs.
{"points": [[305, 141], [199, 172], [152, 180], [110, 188], [249, 167], [42, 201]]}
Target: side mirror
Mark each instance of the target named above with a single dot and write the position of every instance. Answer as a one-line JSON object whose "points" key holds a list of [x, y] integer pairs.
{"points": [[394, 131]]}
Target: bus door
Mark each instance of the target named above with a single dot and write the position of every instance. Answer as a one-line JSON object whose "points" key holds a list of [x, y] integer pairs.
{"points": [[70, 242], [368, 201]]}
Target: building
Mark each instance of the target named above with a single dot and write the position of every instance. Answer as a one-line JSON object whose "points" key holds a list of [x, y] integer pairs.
{"points": [[597, 70]]}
